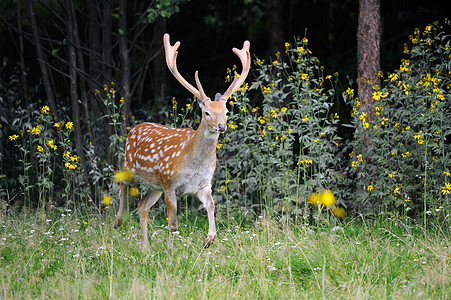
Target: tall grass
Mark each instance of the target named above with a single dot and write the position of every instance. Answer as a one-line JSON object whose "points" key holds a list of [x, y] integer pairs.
{"points": [[70, 255]]}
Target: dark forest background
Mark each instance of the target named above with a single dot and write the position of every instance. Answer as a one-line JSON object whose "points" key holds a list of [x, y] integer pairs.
{"points": [[207, 30]]}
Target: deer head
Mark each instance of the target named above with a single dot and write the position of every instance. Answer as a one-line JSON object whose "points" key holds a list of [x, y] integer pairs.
{"points": [[214, 113]]}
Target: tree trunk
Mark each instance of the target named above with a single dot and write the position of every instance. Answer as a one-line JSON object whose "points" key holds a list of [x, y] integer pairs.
{"points": [[368, 52], [73, 36], [159, 67], [368, 56], [107, 72], [43, 63], [125, 64], [275, 26], [23, 70]]}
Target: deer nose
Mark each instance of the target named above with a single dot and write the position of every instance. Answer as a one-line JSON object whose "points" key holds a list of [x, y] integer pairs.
{"points": [[222, 127]]}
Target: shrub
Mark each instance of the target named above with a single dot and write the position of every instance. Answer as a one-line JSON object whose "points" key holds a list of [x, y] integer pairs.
{"points": [[401, 159], [278, 152]]}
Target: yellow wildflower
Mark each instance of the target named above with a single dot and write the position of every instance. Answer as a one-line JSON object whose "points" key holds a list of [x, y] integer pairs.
{"points": [[338, 211], [34, 130], [446, 189], [45, 109], [70, 166], [134, 191], [106, 199], [74, 158], [51, 145], [327, 198], [124, 175], [314, 198]]}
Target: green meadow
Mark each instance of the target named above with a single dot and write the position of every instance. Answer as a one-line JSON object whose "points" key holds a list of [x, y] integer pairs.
{"points": [[69, 255]]}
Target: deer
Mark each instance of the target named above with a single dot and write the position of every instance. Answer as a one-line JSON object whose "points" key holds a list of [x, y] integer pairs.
{"points": [[179, 161]]}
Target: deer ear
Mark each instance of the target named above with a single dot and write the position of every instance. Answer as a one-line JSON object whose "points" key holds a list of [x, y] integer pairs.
{"points": [[218, 96]]}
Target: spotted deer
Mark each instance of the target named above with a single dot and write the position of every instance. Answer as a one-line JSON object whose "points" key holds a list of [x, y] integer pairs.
{"points": [[180, 161]]}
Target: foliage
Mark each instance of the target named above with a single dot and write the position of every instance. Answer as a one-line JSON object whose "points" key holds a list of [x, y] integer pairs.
{"points": [[163, 8], [278, 152], [401, 158], [43, 166]]}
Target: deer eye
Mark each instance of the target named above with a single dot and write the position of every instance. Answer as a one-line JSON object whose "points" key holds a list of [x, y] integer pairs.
{"points": [[207, 114]]}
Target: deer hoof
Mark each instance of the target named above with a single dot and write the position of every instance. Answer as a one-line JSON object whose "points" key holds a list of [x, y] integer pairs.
{"points": [[208, 241], [117, 223]]}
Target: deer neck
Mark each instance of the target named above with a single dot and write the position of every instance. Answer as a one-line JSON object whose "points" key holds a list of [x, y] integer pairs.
{"points": [[204, 143]]}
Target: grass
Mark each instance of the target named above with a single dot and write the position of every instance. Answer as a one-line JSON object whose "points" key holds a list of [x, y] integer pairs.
{"points": [[71, 255]]}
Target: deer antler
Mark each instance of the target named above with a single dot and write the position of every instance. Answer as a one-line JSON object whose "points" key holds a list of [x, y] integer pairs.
{"points": [[171, 60], [245, 58]]}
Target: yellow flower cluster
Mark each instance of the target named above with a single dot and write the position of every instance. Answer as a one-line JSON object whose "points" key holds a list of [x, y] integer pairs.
{"points": [[359, 159], [362, 117], [231, 125], [70, 166], [378, 95], [419, 136], [51, 144], [13, 137], [35, 130], [125, 175], [404, 66], [244, 87], [325, 198], [306, 162]]}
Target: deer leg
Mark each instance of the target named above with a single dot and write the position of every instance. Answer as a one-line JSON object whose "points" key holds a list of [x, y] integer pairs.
{"points": [[149, 199], [207, 200], [171, 205], [123, 191]]}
